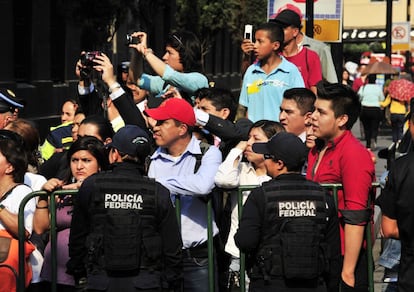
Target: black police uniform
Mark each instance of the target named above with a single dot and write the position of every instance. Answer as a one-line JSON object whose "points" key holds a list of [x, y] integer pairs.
{"points": [[124, 233], [285, 223], [397, 202]]}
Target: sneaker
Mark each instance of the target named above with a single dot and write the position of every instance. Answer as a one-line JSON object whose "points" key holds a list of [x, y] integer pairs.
{"points": [[390, 276]]}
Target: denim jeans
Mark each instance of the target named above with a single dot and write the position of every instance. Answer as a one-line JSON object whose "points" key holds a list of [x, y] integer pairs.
{"points": [[397, 126], [196, 274], [390, 259], [390, 256], [389, 287]]}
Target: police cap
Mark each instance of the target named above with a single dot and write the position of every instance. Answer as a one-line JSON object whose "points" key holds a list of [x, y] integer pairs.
{"points": [[284, 146], [8, 101], [131, 140]]}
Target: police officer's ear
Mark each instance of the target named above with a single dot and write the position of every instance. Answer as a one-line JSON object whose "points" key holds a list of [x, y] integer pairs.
{"points": [[279, 165], [114, 156]]}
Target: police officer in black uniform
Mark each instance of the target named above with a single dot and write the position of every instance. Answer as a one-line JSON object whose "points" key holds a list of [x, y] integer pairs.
{"points": [[124, 234], [397, 207], [289, 227]]}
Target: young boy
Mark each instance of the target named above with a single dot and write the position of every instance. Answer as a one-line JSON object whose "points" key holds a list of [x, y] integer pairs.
{"points": [[266, 80]]}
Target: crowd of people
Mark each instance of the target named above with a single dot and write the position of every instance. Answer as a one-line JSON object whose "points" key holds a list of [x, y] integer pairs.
{"points": [[146, 152]]}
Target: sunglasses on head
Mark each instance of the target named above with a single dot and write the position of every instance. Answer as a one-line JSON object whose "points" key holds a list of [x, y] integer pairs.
{"points": [[180, 43], [9, 135]]}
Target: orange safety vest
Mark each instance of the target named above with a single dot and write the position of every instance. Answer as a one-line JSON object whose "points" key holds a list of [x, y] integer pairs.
{"points": [[7, 277]]}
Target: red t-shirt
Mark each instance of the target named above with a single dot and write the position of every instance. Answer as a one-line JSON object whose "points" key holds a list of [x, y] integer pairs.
{"points": [[309, 65], [358, 82], [348, 162]]}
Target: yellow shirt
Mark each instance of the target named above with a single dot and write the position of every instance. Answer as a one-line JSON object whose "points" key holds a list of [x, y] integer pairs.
{"points": [[396, 106]]}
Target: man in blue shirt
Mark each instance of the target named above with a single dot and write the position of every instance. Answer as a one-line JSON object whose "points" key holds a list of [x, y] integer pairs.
{"points": [[173, 165]]}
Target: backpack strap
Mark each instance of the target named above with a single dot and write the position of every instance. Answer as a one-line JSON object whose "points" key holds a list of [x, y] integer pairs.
{"points": [[204, 148], [9, 192]]}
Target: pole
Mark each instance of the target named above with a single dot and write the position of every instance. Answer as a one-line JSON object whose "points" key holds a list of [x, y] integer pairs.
{"points": [[309, 18], [407, 66], [388, 49]]}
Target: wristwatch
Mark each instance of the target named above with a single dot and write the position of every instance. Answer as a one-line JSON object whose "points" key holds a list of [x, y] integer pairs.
{"points": [[113, 87]]}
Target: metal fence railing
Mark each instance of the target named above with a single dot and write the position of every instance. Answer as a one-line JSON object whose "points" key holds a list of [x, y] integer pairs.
{"points": [[334, 189], [211, 274], [53, 236]]}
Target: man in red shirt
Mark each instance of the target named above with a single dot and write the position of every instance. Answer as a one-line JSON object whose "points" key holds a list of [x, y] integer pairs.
{"points": [[305, 59], [341, 158]]}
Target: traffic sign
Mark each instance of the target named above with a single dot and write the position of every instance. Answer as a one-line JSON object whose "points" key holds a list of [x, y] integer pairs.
{"points": [[400, 33]]}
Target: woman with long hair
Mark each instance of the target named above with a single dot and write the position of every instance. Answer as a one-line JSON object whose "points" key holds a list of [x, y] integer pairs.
{"points": [[30, 135], [234, 172], [86, 156], [13, 166], [178, 72]]}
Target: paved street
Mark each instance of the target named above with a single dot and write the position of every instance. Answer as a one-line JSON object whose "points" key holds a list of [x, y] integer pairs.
{"points": [[384, 140]]}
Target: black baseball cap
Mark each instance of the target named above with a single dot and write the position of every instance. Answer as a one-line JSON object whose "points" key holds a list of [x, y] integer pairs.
{"points": [[286, 147], [288, 17]]}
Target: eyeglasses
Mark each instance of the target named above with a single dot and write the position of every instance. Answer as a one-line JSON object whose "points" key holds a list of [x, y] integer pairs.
{"points": [[268, 156]]}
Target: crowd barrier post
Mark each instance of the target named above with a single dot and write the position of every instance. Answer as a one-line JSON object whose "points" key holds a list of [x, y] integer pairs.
{"points": [[22, 239], [242, 255], [53, 236], [177, 205], [368, 230], [210, 246], [210, 237]]}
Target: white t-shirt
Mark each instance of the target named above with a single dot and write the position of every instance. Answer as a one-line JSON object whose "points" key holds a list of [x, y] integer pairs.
{"points": [[12, 203], [35, 181]]}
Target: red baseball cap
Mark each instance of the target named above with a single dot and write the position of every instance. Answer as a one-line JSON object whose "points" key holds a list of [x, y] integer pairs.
{"points": [[173, 108]]}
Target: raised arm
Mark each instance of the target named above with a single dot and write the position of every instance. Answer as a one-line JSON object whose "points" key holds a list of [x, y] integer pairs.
{"points": [[156, 63]]}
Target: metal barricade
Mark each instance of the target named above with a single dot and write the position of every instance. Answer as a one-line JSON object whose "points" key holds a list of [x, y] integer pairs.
{"points": [[210, 237], [211, 273], [53, 236], [334, 188]]}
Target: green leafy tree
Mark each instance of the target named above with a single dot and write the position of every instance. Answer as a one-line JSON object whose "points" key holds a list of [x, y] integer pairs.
{"points": [[207, 17], [99, 20], [244, 12]]}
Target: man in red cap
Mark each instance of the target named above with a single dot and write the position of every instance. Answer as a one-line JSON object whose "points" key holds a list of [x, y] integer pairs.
{"points": [[175, 165]]}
